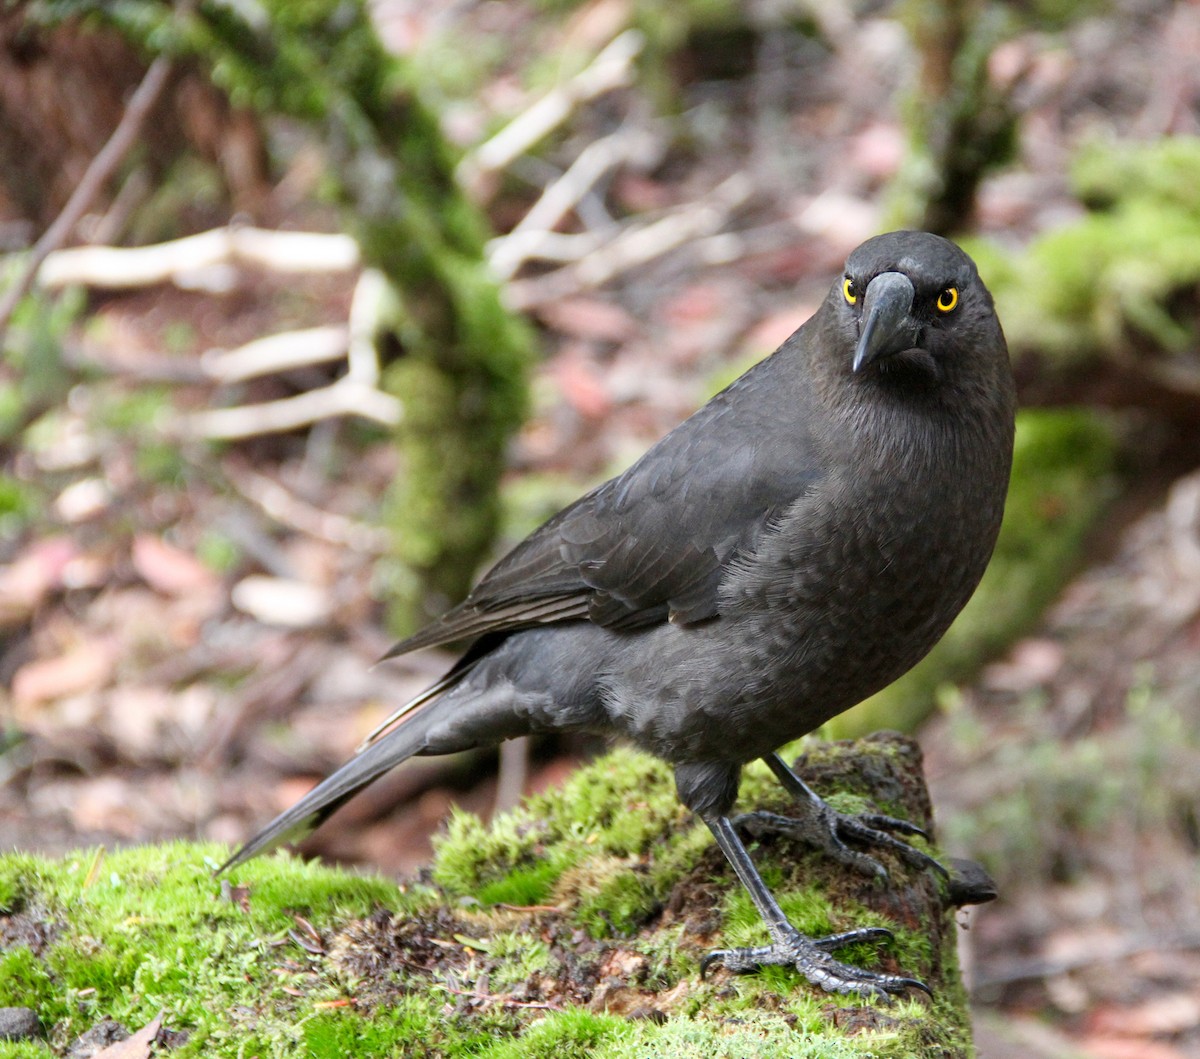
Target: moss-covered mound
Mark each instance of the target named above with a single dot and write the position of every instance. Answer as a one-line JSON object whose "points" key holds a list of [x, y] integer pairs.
{"points": [[572, 927]]}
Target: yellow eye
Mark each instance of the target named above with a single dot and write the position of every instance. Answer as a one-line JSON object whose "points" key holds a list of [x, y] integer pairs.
{"points": [[848, 291], [947, 300]]}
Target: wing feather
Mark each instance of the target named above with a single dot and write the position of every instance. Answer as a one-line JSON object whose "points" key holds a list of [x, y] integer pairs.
{"points": [[653, 544]]}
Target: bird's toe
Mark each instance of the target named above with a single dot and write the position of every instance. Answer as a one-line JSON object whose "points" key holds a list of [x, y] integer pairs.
{"points": [[812, 958]]}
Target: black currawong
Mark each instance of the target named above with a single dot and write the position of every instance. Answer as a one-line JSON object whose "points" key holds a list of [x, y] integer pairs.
{"points": [[797, 544]]}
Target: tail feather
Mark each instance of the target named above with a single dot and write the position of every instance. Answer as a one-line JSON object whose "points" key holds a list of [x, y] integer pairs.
{"points": [[399, 744]]}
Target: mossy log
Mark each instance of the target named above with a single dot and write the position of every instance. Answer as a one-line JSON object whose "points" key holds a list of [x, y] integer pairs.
{"points": [[571, 927]]}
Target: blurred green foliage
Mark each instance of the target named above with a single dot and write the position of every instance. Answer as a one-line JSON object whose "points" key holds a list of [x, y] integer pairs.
{"points": [[1121, 280], [37, 378]]}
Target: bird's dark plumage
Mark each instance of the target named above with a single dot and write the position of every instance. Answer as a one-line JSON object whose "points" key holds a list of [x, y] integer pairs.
{"points": [[793, 547]]}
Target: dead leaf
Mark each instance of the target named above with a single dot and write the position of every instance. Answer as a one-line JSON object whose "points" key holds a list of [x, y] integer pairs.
{"points": [[879, 150], [168, 569], [582, 385], [238, 895], [139, 1046], [772, 330], [26, 583], [1166, 1015], [1128, 1048], [282, 601], [86, 667], [589, 318]]}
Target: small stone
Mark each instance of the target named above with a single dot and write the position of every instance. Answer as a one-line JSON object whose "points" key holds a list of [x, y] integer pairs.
{"points": [[104, 1034], [19, 1024]]}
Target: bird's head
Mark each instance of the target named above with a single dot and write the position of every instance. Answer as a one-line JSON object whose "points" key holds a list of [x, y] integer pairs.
{"points": [[917, 298]]}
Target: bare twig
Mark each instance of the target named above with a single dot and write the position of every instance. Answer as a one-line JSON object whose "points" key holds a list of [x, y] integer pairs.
{"points": [[612, 68], [344, 398], [636, 245], [508, 253], [286, 508], [501, 998], [118, 268], [275, 353], [98, 172], [366, 308]]}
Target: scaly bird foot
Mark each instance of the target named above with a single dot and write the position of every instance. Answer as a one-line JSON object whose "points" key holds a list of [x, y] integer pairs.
{"points": [[812, 958], [825, 828]]}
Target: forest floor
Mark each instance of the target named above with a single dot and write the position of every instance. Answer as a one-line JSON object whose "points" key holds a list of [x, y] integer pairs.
{"points": [[188, 632]]}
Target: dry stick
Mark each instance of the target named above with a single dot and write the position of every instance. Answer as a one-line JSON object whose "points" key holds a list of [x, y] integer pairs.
{"points": [[345, 397], [612, 68], [635, 245], [98, 172], [366, 309], [509, 252], [284, 507], [122, 267], [284, 351]]}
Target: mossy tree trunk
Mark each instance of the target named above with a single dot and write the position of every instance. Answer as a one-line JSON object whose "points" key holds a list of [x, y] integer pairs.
{"points": [[959, 121]]}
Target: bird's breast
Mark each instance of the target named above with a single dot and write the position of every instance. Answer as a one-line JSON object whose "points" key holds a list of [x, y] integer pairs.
{"points": [[860, 578]]}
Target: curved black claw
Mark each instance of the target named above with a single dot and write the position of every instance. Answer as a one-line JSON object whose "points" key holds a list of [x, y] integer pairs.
{"points": [[825, 828], [811, 957]]}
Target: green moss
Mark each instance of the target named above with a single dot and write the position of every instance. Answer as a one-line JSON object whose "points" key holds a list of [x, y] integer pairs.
{"points": [[1063, 464], [574, 1034], [613, 815], [132, 932], [23, 975], [145, 929], [523, 886], [24, 1050], [1118, 281], [618, 807]]}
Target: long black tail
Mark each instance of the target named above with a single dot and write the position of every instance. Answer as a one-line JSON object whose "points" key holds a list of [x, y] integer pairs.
{"points": [[401, 743]]}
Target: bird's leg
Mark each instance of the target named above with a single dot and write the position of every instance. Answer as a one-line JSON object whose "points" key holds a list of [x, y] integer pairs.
{"points": [[810, 956], [823, 826]]}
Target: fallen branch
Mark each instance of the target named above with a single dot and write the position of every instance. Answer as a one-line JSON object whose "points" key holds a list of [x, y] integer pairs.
{"points": [[636, 245], [284, 507], [275, 353], [97, 175], [119, 268], [363, 325], [612, 68], [508, 253], [344, 398]]}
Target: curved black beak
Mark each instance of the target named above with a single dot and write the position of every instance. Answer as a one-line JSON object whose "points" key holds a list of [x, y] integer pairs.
{"points": [[887, 323]]}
